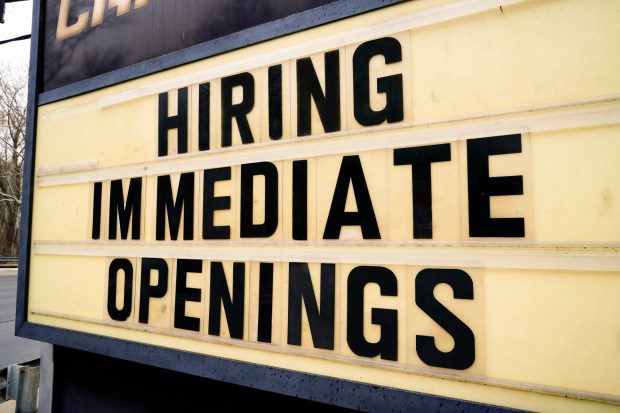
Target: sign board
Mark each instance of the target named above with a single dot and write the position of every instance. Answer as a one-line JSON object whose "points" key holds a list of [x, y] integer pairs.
{"points": [[86, 38], [420, 196]]}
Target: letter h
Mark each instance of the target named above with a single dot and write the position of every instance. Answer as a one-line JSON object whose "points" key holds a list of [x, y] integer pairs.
{"points": [[167, 123]]}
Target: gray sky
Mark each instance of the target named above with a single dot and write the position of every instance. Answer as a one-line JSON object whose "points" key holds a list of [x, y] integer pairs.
{"points": [[18, 20]]}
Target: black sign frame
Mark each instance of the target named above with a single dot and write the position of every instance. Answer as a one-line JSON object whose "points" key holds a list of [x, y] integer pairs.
{"points": [[339, 392]]}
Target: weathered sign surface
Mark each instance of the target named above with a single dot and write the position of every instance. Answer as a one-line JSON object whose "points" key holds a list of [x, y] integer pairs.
{"points": [[421, 197]]}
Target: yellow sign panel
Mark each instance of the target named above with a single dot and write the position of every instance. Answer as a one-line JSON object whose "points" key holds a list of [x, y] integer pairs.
{"points": [[423, 197]]}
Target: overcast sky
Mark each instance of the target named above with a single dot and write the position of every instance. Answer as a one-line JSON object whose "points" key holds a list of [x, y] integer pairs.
{"points": [[18, 20]]}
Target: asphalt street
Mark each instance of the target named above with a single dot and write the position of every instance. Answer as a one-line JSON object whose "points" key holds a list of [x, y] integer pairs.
{"points": [[12, 349]]}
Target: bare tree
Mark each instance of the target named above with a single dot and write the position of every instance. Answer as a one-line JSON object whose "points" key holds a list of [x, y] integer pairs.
{"points": [[13, 91]]}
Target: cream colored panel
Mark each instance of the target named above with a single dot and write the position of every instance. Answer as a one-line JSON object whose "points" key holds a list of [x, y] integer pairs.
{"points": [[62, 212], [81, 130], [77, 286], [489, 393], [576, 185], [520, 301], [463, 68], [558, 323], [546, 340], [532, 53]]}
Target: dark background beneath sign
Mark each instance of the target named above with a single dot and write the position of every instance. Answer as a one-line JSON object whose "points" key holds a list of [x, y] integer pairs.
{"points": [[85, 382], [159, 28]]}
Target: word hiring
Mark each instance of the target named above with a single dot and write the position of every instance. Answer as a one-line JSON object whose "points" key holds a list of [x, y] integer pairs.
{"points": [[301, 299], [175, 205], [308, 92]]}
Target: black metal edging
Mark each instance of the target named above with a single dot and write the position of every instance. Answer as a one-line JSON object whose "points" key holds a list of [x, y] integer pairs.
{"points": [[278, 28], [28, 169], [338, 392], [334, 391]]}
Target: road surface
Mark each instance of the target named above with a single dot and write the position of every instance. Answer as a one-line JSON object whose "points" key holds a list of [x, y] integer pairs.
{"points": [[12, 349]]}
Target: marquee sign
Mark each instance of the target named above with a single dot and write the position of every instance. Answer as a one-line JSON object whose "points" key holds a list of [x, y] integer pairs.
{"points": [[380, 199]]}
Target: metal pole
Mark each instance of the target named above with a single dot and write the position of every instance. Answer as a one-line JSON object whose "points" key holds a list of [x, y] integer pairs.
{"points": [[23, 387]]}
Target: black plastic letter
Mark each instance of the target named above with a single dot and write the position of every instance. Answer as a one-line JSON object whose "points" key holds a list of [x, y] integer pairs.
{"points": [[387, 346], [420, 159], [183, 205], [178, 122], [275, 102], [351, 172], [120, 264], [183, 294], [300, 200], [309, 88], [204, 112], [212, 203], [392, 86], [234, 307], [248, 229], [481, 187], [463, 355], [237, 111], [321, 320], [96, 227], [265, 302], [125, 211], [148, 291]]}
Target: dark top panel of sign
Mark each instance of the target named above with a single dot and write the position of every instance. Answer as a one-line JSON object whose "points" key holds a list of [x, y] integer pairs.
{"points": [[88, 41]]}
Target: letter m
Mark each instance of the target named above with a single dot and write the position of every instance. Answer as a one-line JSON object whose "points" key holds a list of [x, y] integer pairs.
{"points": [[125, 211]]}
